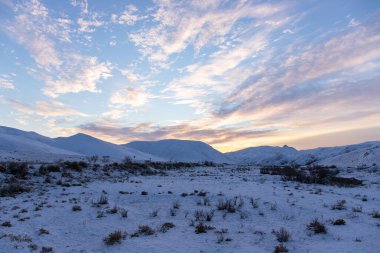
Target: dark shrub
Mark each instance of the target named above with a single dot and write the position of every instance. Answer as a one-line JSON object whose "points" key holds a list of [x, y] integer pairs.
{"points": [[115, 237], [166, 226], [282, 235], [280, 249], [13, 189], [76, 208], [146, 230], [339, 222], [317, 227], [201, 228], [19, 170]]}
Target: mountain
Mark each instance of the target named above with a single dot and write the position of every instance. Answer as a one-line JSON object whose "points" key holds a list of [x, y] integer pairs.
{"points": [[367, 153], [21, 145], [264, 155], [364, 154], [180, 150], [88, 145]]}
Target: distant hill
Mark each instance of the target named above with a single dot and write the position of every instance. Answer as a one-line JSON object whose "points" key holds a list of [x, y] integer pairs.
{"points": [[180, 150], [18, 145], [264, 155], [21, 145]]}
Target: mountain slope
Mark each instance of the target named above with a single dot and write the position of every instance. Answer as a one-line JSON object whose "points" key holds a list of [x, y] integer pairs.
{"points": [[264, 155], [21, 145], [180, 150], [88, 145]]}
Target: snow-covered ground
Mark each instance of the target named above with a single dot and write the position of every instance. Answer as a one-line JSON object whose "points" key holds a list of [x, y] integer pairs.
{"points": [[276, 204]]}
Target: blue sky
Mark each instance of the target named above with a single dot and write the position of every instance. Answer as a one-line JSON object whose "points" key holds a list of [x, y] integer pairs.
{"points": [[231, 73]]}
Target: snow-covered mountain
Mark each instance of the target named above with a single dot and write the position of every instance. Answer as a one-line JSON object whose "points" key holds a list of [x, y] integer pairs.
{"points": [[264, 155], [367, 154], [180, 150], [21, 145], [88, 145]]}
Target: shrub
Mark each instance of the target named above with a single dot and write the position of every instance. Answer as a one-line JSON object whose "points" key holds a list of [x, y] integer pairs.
{"points": [[316, 227], [146, 230], [144, 193], [76, 208], [46, 249], [154, 213], [176, 204], [339, 222], [43, 231], [103, 200], [339, 205], [13, 189], [166, 226], [173, 212], [6, 224], [201, 215], [357, 209], [375, 214], [201, 228], [123, 212], [282, 235], [19, 170], [280, 249], [228, 204], [115, 237]]}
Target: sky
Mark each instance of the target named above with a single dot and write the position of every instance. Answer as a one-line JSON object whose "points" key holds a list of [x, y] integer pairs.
{"points": [[234, 74]]}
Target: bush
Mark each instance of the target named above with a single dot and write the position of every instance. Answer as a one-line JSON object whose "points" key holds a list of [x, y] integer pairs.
{"points": [[280, 249], [339, 205], [103, 200], [13, 189], [201, 228], [166, 226], [339, 222], [6, 224], [44, 170], [123, 212], [43, 231], [316, 227], [76, 208], [115, 237], [375, 214], [227, 204], [146, 230], [282, 235], [19, 170]]}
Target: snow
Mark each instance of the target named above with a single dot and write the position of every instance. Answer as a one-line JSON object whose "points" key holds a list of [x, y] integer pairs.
{"points": [[20, 145], [29, 146], [280, 204], [180, 150]]}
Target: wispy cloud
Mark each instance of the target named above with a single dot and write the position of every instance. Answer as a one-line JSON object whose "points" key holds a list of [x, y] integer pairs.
{"points": [[6, 82], [44, 108], [148, 131], [130, 97], [63, 71]]}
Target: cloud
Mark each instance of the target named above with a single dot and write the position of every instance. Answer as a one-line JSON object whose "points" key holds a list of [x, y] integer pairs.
{"points": [[79, 73], [130, 97], [179, 25], [147, 131], [45, 109], [6, 82], [128, 16], [88, 26], [63, 71]]}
